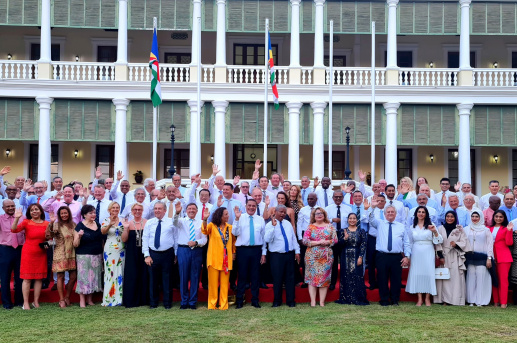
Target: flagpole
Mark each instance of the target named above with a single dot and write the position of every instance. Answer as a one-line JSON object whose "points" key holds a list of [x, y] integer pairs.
{"points": [[155, 115], [197, 169], [372, 124], [331, 81], [266, 74]]}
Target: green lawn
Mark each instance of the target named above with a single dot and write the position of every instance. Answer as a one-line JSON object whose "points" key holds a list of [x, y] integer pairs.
{"points": [[334, 323]]}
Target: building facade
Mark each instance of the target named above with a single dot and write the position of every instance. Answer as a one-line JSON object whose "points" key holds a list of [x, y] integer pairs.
{"points": [[75, 81]]}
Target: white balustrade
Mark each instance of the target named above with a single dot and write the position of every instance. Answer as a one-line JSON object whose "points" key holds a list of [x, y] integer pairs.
{"points": [[495, 77], [83, 71], [208, 73], [428, 77], [168, 72], [246, 74], [306, 75], [18, 69], [354, 76]]}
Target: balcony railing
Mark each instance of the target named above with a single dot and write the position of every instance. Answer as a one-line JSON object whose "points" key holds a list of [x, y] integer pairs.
{"points": [[495, 77], [344, 76], [83, 71], [255, 74], [168, 72], [18, 69], [428, 77]]}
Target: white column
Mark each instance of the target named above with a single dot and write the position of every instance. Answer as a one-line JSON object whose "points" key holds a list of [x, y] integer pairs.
{"points": [[195, 138], [464, 143], [318, 161], [295, 34], [122, 33], [465, 35], [196, 30], [390, 173], [220, 135], [44, 148], [294, 140], [391, 60], [45, 43], [120, 136], [318, 36], [220, 57]]}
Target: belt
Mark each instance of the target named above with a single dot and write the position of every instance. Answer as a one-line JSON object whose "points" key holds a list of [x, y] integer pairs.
{"points": [[249, 246], [186, 246], [162, 251], [389, 253], [275, 252]]}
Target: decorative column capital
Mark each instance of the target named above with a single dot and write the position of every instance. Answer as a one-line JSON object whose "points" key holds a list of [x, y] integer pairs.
{"points": [[44, 102], [296, 2], [220, 105], [465, 3], [294, 106], [318, 106], [392, 3], [193, 105], [221, 2], [391, 107], [197, 1], [120, 104], [464, 108], [319, 2], [122, 0]]}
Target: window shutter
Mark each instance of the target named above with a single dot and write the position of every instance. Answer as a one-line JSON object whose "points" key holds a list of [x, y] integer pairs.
{"points": [[508, 18], [92, 13], [306, 114], [210, 10], [334, 12], [77, 13], [236, 126], [183, 14], [493, 19], [137, 120], [207, 121], [436, 18], [234, 15], [307, 11], [509, 120], [421, 12], [3, 12], [450, 17], [12, 119], [363, 17], [137, 8], [253, 19], [337, 124], [28, 119], [90, 120], [30, 12], [104, 121], [61, 9], [379, 16], [3, 115], [152, 9], [405, 17], [448, 124], [348, 12], [435, 131], [494, 125], [250, 115], [282, 13], [361, 122], [180, 115], [480, 125], [61, 114], [478, 15], [75, 118], [167, 14], [277, 124], [15, 14], [164, 121], [109, 13], [407, 123]]}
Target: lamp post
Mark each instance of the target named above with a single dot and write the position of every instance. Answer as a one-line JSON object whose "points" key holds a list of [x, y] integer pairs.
{"points": [[172, 171], [347, 168]]}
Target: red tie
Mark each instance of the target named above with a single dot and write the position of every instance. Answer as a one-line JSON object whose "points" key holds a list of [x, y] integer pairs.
{"points": [[39, 199], [351, 199], [203, 211]]}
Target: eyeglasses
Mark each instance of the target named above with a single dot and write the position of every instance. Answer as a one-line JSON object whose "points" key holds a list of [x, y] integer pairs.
{"points": [[245, 186], [318, 214]]}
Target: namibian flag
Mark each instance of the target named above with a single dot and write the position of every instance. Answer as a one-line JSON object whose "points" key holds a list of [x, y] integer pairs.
{"points": [[156, 89], [272, 72]]}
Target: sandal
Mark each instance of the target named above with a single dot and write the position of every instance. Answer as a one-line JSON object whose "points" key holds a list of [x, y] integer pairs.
{"points": [[62, 303], [67, 301]]}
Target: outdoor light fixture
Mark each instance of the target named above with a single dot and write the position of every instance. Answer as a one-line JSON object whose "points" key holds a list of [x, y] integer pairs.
{"points": [[431, 157], [455, 154], [496, 65], [212, 158], [76, 152], [431, 64], [7, 152], [496, 158], [77, 58], [9, 56]]}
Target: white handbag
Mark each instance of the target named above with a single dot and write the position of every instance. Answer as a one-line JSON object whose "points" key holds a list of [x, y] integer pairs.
{"points": [[442, 274]]}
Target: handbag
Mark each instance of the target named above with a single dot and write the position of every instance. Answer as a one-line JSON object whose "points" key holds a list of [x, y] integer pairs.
{"points": [[442, 274]]}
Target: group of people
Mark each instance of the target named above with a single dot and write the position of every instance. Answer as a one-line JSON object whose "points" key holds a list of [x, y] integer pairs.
{"points": [[134, 245]]}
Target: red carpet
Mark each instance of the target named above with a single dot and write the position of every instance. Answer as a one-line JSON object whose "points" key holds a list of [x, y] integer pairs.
{"points": [[266, 295]]}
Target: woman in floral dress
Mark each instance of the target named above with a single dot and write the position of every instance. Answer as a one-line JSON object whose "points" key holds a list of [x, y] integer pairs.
{"points": [[319, 237], [114, 256]]}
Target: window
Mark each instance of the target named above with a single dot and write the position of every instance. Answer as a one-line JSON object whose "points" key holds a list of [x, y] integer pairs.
{"points": [[177, 57], [33, 161], [55, 52], [453, 169], [453, 59], [514, 65], [338, 165], [245, 156], [404, 163], [339, 61], [106, 53], [404, 60], [514, 167], [105, 158], [252, 54], [181, 162]]}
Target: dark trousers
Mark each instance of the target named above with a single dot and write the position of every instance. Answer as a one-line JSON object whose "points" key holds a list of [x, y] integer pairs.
{"points": [[389, 268], [189, 261], [283, 271], [337, 253], [303, 249], [161, 269], [248, 259], [10, 261], [371, 253], [234, 273]]}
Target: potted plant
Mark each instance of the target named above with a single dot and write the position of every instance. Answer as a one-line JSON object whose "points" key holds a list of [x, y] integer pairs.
{"points": [[139, 176]]}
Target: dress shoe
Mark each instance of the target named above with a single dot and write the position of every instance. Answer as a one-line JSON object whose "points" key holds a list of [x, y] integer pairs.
{"points": [[183, 307], [304, 285], [247, 286], [384, 303], [395, 303], [292, 305], [205, 287], [256, 305], [239, 305], [263, 285], [332, 287], [373, 286], [275, 305], [168, 307], [233, 287], [193, 307], [8, 307], [153, 307]]}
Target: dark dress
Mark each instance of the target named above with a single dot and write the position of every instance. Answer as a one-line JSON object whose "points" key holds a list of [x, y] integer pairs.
{"points": [[352, 289], [136, 277]]}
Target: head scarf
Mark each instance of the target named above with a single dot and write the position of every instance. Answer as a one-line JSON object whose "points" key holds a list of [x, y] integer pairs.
{"points": [[480, 226], [449, 227]]}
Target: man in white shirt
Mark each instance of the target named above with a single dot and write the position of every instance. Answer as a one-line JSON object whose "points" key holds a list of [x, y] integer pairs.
{"points": [[124, 197], [338, 216], [57, 183], [159, 240], [257, 195], [371, 243], [108, 183], [390, 192], [284, 251], [454, 203], [203, 198], [251, 251], [149, 185], [304, 219], [442, 197], [190, 253], [139, 197], [468, 204], [494, 191], [100, 203], [176, 181], [466, 189], [325, 193], [172, 196], [263, 184], [244, 195], [306, 189]]}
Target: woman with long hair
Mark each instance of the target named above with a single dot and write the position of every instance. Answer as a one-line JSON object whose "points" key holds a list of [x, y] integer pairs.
{"points": [[419, 182], [422, 238], [295, 200], [406, 188], [62, 231], [502, 233], [282, 199]]}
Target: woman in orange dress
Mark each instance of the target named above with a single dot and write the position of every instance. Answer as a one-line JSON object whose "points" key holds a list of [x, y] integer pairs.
{"points": [[220, 256], [34, 258]]}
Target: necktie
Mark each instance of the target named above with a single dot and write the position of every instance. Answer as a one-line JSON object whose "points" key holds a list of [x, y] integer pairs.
{"points": [[390, 238], [326, 199], [192, 232], [123, 203], [157, 235], [351, 198], [391, 202], [246, 196], [358, 213], [98, 211], [150, 198], [39, 199], [286, 242], [111, 198], [275, 188], [456, 213], [338, 224], [204, 206], [252, 231], [303, 194], [220, 192], [258, 209], [263, 196], [382, 214]]}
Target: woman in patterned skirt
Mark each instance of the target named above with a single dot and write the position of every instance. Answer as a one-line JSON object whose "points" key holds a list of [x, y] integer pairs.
{"points": [[319, 237]]}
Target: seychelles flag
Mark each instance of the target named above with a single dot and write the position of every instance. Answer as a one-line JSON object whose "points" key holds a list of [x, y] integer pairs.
{"points": [[156, 89], [272, 73]]}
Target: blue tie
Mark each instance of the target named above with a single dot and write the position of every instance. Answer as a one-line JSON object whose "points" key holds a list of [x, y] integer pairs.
{"points": [[390, 238], [111, 198], [303, 195], [157, 235], [123, 203], [285, 238], [252, 231], [230, 211], [192, 231], [326, 199], [258, 209], [98, 211]]}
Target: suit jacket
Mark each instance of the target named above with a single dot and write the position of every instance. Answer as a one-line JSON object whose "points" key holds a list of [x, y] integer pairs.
{"points": [[503, 240]]}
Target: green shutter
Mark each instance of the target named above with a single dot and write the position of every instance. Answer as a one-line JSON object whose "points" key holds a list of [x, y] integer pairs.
{"points": [[250, 15], [209, 15], [417, 125], [307, 16], [428, 18], [354, 17], [171, 14], [207, 123], [245, 124], [18, 119], [493, 18], [101, 14]]}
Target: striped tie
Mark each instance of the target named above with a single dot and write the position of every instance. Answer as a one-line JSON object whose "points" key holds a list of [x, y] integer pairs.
{"points": [[192, 231]]}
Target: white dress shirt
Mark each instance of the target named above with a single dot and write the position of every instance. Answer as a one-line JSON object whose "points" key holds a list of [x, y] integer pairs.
{"points": [[399, 237], [103, 212], [147, 213], [183, 231], [305, 193], [401, 210], [168, 203], [304, 219], [483, 202], [332, 213], [199, 213], [241, 229], [363, 213], [168, 235], [260, 209], [438, 197], [321, 197], [374, 214], [274, 237]]}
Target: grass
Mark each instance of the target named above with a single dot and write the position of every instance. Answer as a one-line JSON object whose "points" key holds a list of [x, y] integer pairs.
{"points": [[334, 323]]}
